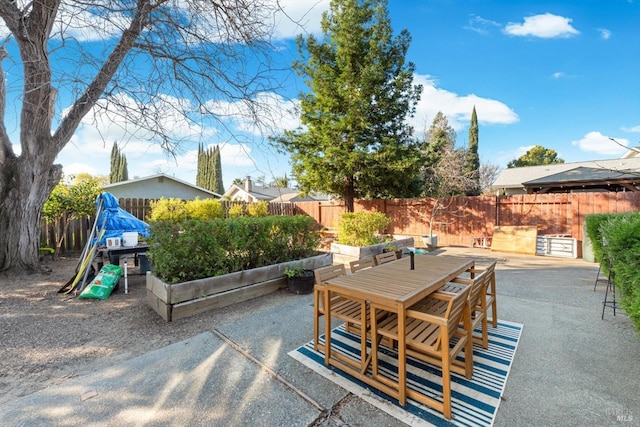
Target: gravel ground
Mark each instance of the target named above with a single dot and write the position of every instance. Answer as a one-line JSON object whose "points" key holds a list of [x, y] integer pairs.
{"points": [[48, 337]]}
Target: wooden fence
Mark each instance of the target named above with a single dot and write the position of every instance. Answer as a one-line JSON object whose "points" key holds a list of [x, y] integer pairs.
{"points": [[461, 219], [468, 217]]}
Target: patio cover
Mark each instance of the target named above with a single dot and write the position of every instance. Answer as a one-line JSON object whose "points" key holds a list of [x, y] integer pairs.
{"points": [[585, 179]]}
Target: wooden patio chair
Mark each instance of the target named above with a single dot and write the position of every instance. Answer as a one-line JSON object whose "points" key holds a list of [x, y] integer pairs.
{"points": [[477, 303], [434, 335], [385, 257], [342, 308], [361, 264], [490, 293]]}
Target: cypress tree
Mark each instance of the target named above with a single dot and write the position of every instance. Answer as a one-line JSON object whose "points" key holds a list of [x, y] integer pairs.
{"points": [[113, 170], [124, 172], [118, 171], [473, 160], [218, 185], [199, 172]]}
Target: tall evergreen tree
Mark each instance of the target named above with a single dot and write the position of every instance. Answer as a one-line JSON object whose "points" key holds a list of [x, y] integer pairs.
{"points": [[118, 171], [219, 185], [355, 142], [124, 171], [209, 174], [473, 160], [115, 158], [199, 174]]}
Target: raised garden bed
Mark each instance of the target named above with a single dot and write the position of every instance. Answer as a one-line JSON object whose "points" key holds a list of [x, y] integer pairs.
{"points": [[345, 253], [180, 300]]}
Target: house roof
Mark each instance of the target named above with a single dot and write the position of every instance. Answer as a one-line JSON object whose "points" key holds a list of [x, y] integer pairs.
{"points": [[156, 178], [516, 177], [273, 194], [585, 178]]}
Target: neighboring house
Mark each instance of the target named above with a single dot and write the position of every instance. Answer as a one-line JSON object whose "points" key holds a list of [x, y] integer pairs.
{"points": [[594, 176], [157, 186], [249, 192]]}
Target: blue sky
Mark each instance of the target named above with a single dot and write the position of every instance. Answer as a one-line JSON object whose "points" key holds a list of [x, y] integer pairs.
{"points": [[561, 74]]}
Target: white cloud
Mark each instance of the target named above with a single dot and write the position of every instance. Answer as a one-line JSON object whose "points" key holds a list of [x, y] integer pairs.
{"points": [[481, 25], [456, 107], [90, 147], [267, 114], [299, 17], [633, 129], [604, 33], [545, 26], [558, 75], [79, 23], [595, 142]]}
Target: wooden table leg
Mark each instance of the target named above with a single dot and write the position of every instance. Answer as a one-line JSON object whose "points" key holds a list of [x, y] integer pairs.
{"points": [[402, 358], [327, 326], [364, 358]]}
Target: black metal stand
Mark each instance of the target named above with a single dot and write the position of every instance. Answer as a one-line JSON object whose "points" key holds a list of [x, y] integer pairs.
{"points": [[599, 279], [610, 292]]}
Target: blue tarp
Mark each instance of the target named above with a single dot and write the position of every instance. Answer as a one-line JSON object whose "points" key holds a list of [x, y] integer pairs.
{"points": [[116, 221]]}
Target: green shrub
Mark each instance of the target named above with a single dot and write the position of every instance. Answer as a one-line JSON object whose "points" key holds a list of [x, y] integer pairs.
{"points": [[621, 233], [168, 210], [235, 211], [194, 249], [258, 209], [362, 228], [204, 209], [593, 223]]}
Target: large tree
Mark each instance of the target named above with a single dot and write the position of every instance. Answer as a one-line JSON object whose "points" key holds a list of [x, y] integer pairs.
{"points": [[444, 172], [355, 141], [538, 155], [140, 52]]}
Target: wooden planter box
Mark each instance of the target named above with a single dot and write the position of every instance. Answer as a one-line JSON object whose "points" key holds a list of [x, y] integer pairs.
{"points": [[345, 254], [179, 300]]}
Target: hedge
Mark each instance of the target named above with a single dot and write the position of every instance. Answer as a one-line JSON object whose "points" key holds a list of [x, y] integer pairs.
{"points": [[194, 249], [621, 236]]}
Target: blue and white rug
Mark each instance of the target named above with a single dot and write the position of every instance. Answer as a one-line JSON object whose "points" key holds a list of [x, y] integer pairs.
{"points": [[474, 402]]}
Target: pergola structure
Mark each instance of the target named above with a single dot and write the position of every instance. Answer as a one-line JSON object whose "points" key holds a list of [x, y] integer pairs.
{"points": [[585, 179]]}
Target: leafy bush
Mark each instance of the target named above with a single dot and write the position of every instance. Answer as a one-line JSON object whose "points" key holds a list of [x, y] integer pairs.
{"points": [[362, 228], [594, 223], [204, 209], [235, 211], [258, 209], [622, 235], [194, 249], [178, 210], [168, 210]]}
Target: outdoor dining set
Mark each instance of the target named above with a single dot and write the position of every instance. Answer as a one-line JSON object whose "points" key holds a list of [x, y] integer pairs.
{"points": [[432, 308]]}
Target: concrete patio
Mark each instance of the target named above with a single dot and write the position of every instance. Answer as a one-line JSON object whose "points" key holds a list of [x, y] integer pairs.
{"points": [[571, 368]]}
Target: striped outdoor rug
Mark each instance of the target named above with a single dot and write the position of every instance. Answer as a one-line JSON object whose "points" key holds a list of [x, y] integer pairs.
{"points": [[474, 402]]}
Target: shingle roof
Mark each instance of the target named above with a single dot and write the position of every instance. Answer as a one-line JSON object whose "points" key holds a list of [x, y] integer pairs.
{"points": [[515, 177]]}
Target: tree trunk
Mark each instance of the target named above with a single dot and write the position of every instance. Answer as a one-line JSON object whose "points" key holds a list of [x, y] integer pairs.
{"points": [[25, 185], [349, 195]]}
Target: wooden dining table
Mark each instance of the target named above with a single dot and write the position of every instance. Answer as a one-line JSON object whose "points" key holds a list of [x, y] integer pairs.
{"points": [[394, 287]]}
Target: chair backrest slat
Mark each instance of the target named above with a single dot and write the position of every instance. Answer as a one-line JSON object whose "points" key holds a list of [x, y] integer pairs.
{"points": [[385, 257], [329, 272], [361, 264], [456, 310]]}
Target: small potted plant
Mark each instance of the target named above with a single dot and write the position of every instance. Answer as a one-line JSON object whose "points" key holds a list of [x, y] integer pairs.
{"points": [[390, 247], [300, 281]]}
